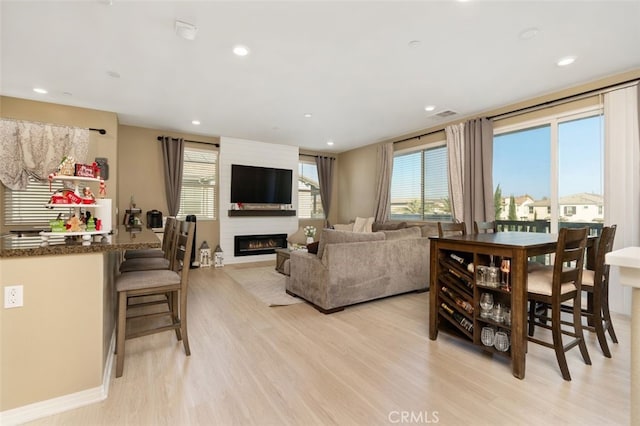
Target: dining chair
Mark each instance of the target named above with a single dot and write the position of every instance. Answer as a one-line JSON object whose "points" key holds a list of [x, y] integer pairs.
{"points": [[151, 253], [173, 282], [552, 287], [485, 227], [595, 283], [147, 263], [451, 228]]}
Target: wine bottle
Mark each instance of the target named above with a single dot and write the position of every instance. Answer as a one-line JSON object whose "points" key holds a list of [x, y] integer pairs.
{"points": [[459, 301], [464, 323], [467, 265], [465, 281]]}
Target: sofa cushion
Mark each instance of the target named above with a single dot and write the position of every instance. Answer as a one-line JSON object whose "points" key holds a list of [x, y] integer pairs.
{"points": [[363, 224], [333, 236], [387, 226], [297, 237], [429, 229], [343, 226], [403, 234]]}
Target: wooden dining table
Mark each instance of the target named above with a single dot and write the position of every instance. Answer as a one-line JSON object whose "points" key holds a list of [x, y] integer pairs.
{"points": [[519, 247]]}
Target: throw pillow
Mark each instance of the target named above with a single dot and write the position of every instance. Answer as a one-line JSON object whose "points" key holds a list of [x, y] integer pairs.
{"points": [[363, 224], [343, 227], [403, 234], [297, 237], [332, 236], [313, 247]]}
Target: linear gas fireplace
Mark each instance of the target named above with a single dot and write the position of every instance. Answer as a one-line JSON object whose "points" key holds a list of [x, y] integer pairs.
{"points": [[249, 245]]}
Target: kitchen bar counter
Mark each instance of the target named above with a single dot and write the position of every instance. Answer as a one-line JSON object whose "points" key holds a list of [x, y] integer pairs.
{"points": [[32, 245], [57, 348]]}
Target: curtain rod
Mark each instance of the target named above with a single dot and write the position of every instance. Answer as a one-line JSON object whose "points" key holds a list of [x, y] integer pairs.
{"points": [[101, 131], [523, 110], [318, 156], [420, 136], [217, 145], [562, 100]]}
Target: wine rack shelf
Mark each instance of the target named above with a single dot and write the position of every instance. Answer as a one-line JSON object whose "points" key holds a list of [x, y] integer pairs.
{"points": [[458, 295]]}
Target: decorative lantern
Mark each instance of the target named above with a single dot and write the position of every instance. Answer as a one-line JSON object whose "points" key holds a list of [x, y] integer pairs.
{"points": [[205, 255], [218, 257]]}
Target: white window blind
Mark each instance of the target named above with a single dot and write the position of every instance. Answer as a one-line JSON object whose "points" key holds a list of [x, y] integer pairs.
{"points": [[419, 185], [28, 207], [199, 184]]}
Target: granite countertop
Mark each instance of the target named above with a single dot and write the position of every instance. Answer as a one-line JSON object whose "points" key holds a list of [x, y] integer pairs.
{"points": [[121, 239]]}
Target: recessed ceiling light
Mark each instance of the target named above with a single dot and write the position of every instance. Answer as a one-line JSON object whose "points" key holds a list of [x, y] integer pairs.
{"points": [[40, 90], [308, 115], [241, 50], [186, 30], [429, 108], [529, 33], [567, 60], [113, 74], [414, 44], [330, 143], [195, 122]]}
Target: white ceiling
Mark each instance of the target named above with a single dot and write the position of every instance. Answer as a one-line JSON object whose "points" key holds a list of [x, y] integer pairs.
{"points": [[347, 63]]}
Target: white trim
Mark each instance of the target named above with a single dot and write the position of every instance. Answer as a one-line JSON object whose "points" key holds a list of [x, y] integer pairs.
{"points": [[547, 120], [68, 402], [422, 147]]}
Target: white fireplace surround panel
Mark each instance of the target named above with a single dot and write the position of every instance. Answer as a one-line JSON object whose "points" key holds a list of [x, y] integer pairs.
{"points": [[253, 153]]}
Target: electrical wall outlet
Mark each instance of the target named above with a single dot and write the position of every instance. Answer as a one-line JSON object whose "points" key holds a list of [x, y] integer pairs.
{"points": [[13, 296]]}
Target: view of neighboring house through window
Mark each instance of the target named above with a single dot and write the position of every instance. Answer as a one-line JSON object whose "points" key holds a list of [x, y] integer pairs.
{"points": [[419, 185], [309, 201], [199, 189], [551, 175]]}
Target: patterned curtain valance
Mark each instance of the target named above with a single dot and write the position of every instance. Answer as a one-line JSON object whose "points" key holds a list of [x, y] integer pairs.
{"points": [[36, 149]]}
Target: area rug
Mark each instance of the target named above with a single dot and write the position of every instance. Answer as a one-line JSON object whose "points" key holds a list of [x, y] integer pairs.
{"points": [[265, 283]]}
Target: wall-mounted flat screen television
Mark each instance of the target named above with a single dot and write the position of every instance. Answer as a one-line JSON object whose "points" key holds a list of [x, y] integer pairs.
{"points": [[260, 185]]}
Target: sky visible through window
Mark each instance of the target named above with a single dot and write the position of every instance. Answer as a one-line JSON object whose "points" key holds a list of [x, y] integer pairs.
{"points": [[522, 159]]}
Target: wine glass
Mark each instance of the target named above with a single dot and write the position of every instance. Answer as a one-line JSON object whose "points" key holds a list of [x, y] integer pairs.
{"points": [[498, 313], [486, 303], [501, 341], [487, 336]]}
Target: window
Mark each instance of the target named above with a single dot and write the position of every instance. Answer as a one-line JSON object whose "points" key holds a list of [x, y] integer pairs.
{"points": [[555, 165], [199, 184], [420, 185], [28, 207], [309, 201]]}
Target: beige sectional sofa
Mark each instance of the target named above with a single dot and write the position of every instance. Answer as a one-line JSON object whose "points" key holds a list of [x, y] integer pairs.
{"points": [[352, 267]]}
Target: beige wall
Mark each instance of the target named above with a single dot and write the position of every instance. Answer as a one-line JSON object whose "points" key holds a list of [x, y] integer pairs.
{"points": [[53, 345], [357, 183], [99, 145], [142, 175]]}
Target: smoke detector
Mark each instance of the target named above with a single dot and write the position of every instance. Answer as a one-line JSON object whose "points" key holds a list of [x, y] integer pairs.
{"points": [[186, 30]]}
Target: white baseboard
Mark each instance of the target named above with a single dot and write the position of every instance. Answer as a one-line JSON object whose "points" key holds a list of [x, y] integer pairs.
{"points": [[57, 405]]}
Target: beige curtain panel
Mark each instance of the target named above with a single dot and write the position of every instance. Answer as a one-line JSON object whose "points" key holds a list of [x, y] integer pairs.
{"points": [[383, 187]]}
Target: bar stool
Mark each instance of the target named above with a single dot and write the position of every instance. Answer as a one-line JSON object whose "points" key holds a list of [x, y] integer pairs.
{"points": [[552, 287], [173, 283]]}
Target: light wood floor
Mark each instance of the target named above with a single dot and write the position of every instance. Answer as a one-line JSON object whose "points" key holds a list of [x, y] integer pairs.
{"points": [[370, 364]]}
